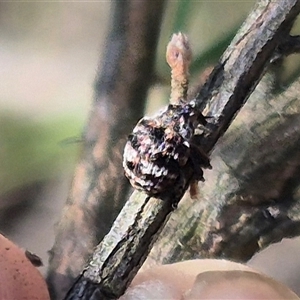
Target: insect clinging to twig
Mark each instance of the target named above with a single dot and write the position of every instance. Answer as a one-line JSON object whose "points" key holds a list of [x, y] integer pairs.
{"points": [[161, 147]]}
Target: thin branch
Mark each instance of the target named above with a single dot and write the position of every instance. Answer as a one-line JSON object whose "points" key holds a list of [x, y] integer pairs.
{"points": [[119, 256], [250, 198], [99, 186]]}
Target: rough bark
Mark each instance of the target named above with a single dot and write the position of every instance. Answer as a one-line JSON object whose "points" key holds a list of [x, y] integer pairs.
{"points": [[119, 256], [251, 197], [99, 186]]}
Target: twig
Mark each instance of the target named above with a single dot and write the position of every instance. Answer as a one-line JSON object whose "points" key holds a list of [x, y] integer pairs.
{"points": [[99, 186], [250, 198], [119, 256]]}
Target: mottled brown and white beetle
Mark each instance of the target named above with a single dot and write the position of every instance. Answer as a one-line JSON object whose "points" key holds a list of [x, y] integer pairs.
{"points": [[161, 147]]}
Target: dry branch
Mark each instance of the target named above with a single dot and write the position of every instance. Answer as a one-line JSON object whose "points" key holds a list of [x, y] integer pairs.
{"points": [[250, 197], [119, 256], [99, 186]]}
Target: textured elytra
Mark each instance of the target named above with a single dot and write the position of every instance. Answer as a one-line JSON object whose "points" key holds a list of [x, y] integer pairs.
{"points": [[159, 149]]}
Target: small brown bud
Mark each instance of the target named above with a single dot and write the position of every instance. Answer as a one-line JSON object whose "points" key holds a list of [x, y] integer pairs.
{"points": [[179, 54]]}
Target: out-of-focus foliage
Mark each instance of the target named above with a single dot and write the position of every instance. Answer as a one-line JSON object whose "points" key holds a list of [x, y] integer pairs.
{"points": [[35, 151]]}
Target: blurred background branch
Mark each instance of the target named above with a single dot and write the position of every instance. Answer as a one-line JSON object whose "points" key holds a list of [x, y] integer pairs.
{"points": [[250, 198], [99, 187]]}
